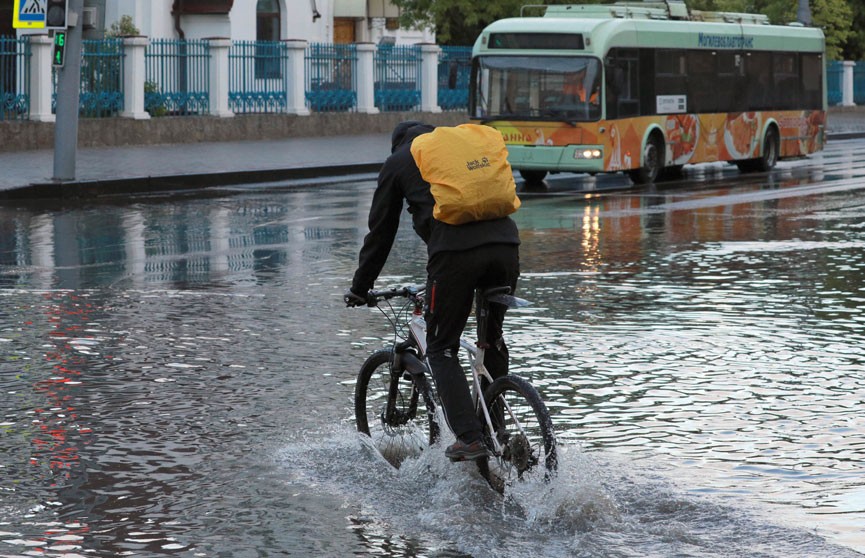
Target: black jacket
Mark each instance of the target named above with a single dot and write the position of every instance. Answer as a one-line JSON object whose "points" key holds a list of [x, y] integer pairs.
{"points": [[400, 180]]}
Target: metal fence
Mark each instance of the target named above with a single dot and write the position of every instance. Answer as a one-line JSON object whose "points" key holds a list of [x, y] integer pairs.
{"points": [[834, 71], [397, 85], [257, 76], [178, 77], [454, 72], [859, 83], [331, 77], [14, 78], [101, 78]]}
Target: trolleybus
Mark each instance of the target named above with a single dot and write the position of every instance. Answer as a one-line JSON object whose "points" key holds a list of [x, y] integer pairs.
{"points": [[646, 88]]}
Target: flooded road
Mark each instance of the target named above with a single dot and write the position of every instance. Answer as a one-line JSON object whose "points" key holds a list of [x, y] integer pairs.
{"points": [[176, 376]]}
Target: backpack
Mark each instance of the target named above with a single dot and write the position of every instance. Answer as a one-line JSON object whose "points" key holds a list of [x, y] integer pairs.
{"points": [[468, 171]]}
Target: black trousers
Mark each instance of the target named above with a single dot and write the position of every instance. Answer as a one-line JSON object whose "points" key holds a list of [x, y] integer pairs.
{"points": [[452, 280]]}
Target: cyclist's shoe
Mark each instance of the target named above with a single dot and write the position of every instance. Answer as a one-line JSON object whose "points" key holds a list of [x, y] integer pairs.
{"points": [[462, 451]]}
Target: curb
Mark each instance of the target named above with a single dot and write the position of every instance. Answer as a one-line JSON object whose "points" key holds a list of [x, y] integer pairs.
{"points": [[845, 135], [89, 189]]}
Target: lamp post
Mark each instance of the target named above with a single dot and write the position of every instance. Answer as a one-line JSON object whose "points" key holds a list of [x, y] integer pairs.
{"points": [[804, 13]]}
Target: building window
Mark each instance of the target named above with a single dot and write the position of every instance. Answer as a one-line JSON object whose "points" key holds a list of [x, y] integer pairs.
{"points": [[267, 33]]}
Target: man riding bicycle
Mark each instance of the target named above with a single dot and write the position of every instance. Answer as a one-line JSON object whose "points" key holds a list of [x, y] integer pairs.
{"points": [[460, 259]]}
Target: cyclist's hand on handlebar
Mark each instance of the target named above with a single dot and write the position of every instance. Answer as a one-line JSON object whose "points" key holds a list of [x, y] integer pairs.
{"points": [[351, 299]]}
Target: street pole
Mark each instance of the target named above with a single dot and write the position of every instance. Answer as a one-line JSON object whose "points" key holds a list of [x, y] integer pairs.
{"points": [[68, 93], [804, 13]]}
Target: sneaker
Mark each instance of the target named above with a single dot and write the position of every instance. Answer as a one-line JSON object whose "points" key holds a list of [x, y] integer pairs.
{"points": [[461, 451]]}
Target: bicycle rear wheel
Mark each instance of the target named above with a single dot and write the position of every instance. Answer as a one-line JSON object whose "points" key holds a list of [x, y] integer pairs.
{"points": [[523, 429], [394, 409]]}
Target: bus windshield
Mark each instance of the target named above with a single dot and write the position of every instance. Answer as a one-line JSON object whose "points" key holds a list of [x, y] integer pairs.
{"points": [[549, 88]]}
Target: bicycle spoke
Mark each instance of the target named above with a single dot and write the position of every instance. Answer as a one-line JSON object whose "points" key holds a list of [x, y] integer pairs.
{"points": [[524, 432], [390, 409]]}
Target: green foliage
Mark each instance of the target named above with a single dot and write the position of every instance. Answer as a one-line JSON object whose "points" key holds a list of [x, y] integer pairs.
{"points": [[833, 16], [123, 28], [459, 22], [854, 47]]}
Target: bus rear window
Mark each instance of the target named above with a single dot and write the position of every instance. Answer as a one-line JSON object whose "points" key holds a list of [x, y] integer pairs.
{"points": [[546, 41]]}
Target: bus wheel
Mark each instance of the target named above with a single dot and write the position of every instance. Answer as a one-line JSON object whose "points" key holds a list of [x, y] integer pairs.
{"points": [[771, 148], [653, 162], [533, 177], [769, 157]]}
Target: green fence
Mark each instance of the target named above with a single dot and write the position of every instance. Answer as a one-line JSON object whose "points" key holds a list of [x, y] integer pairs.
{"points": [[331, 82], [178, 77], [14, 78], [454, 71], [397, 85], [257, 77]]}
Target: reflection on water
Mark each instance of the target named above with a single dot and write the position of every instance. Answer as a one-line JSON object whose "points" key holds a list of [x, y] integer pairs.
{"points": [[176, 377]]}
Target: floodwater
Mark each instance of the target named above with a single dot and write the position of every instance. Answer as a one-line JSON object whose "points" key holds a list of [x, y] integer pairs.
{"points": [[176, 375]]}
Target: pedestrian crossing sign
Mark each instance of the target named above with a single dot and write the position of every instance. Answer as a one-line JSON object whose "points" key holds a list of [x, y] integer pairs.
{"points": [[29, 14]]}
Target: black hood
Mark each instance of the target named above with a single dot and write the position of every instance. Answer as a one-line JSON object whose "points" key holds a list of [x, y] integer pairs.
{"points": [[407, 131]]}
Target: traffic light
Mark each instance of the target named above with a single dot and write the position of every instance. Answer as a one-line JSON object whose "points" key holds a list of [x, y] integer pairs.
{"points": [[59, 53], [56, 12]]}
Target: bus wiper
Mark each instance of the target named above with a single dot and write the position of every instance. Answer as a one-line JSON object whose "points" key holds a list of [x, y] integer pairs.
{"points": [[560, 115], [514, 116]]}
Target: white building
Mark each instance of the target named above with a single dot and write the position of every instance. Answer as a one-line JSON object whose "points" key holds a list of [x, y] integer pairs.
{"points": [[325, 21]]}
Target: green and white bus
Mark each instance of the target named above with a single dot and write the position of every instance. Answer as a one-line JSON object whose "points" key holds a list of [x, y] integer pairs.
{"points": [[648, 87]]}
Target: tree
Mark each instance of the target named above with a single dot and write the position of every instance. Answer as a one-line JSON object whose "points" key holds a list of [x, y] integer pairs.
{"points": [[854, 48], [459, 22], [833, 16], [123, 28]]}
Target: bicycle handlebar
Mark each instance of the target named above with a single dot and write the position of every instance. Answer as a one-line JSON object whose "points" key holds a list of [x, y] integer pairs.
{"points": [[409, 291]]}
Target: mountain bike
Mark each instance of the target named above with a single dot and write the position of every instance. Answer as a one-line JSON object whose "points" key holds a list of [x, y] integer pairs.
{"points": [[395, 402]]}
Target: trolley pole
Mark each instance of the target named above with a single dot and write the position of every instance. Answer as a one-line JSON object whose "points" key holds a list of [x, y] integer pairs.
{"points": [[68, 93], [804, 13]]}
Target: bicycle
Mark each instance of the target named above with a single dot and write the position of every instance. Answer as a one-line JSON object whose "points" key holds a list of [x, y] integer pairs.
{"points": [[395, 404]]}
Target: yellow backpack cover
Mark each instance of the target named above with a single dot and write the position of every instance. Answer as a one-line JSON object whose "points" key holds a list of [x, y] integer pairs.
{"points": [[468, 171]]}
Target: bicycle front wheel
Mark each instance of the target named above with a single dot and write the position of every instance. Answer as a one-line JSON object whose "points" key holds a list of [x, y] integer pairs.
{"points": [[524, 432], [393, 408]]}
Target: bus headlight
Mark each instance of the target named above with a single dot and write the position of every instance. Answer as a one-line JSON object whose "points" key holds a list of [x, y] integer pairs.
{"points": [[589, 153]]}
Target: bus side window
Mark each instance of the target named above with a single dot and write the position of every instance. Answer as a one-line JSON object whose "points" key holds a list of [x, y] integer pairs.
{"points": [[758, 66], [622, 84], [812, 80]]}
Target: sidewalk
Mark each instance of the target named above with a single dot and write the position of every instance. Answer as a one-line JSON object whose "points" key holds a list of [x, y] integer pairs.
{"points": [[142, 169], [27, 174]]}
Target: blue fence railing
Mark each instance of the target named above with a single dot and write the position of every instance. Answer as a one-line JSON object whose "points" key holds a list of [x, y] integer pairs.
{"points": [[258, 77], [102, 78], [454, 71], [331, 77], [834, 71], [101, 89], [14, 78], [178, 77], [859, 83], [397, 85]]}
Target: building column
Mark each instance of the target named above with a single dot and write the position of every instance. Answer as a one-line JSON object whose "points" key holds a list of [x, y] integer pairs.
{"points": [[41, 86], [365, 78], [134, 76], [294, 80], [429, 82], [847, 84], [219, 77]]}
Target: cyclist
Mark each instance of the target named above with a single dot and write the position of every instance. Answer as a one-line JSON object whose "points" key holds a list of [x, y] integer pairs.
{"points": [[460, 258]]}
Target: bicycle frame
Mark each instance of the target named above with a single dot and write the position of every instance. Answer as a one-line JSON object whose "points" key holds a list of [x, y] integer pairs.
{"points": [[475, 353]]}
